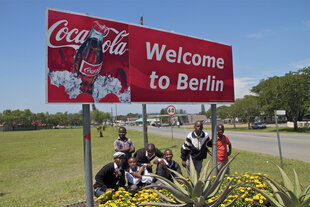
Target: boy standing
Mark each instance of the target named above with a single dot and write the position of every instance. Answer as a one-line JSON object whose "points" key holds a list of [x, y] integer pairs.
{"points": [[195, 145], [125, 145], [222, 153]]}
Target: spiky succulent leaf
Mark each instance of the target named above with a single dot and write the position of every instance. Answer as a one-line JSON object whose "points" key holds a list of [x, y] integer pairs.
{"points": [[163, 196], [286, 199], [180, 187], [212, 189], [306, 193], [293, 197], [204, 172], [305, 203], [224, 194], [232, 202], [198, 189], [187, 184], [216, 185], [287, 182], [297, 189], [192, 171], [276, 188], [178, 194], [272, 200], [199, 201], [161, 204], [167, 182]]}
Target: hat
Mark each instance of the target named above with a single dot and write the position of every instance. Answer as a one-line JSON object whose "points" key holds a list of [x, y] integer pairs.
{"points": [[118, 154]]}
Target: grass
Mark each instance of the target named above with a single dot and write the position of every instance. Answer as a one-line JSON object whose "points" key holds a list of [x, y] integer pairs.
{"points": [[46, 167]]}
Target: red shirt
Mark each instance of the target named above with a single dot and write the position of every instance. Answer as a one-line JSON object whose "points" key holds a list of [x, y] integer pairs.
{"points": [[222, 148]]}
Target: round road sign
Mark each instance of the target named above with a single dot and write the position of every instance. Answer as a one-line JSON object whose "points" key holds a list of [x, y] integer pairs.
{"points": [[171, 110]]}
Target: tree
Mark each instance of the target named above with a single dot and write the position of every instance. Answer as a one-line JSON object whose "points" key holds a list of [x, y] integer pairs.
{"points": [[247, 108], [209, 113], [203, 110], [11, 118], [27, 118], [290, 92], [234, 113], [223, 112], [99, 116]]}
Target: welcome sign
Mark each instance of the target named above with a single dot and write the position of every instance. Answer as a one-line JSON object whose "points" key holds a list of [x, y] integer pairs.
{"points": [[91, 59]]}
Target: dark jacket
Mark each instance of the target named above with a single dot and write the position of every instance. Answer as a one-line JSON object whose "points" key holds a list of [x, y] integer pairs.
{"points": [[195, 146], [141, 157], [164, 172], [105, 178]]}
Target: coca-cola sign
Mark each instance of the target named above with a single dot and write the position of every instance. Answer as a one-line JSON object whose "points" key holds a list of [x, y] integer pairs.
{"points": [[88, 59], [92, 59]]}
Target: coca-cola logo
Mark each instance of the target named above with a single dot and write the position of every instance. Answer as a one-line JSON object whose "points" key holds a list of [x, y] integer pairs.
{"points": [[90, 70], [60, 32]]}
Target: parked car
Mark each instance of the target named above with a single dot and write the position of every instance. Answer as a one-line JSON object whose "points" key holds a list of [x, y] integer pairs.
{"points": [[258, 125]]}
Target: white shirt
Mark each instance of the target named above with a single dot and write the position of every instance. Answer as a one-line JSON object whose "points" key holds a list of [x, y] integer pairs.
{"points": [[134, 180]]}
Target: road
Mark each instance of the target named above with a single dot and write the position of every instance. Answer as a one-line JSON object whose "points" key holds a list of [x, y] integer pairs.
{"points": [[294, 146]]}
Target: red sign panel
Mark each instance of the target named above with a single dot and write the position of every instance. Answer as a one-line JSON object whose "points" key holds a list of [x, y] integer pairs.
{"points": [[96, 60]]}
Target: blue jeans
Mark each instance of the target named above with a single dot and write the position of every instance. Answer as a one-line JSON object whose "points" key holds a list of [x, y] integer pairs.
{"points": [[98, 192]]}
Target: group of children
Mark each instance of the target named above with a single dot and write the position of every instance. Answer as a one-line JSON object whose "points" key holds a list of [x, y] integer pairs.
{"points": [[136, 168]]}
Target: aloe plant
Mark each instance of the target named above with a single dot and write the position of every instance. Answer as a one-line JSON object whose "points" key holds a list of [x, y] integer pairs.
{"points": [[289, 194], [197, 191]]}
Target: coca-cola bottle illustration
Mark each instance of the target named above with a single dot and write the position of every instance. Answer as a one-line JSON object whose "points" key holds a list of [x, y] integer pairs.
{"points": [[88, 59]]}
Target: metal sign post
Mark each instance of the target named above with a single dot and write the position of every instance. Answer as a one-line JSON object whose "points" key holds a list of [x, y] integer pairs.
{"points": [[171, 110], [144, 118], [144, 115], [87, 156], [276, 113], [214, 139]]}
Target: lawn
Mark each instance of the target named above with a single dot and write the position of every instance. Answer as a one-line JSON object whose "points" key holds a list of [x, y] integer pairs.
{"points": [[46, 167]]}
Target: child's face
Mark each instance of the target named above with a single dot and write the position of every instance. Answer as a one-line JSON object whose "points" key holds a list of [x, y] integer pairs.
{"points": [[119, 160], [168, 156], [122, 133], [220, 130], [132, 163]]}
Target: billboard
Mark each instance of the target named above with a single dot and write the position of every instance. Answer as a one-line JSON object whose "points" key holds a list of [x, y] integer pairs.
{"points": [[95, 60]]}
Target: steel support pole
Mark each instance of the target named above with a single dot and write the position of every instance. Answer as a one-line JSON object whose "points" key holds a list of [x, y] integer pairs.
{"points": [[87, 156], [144, 117], [214, 139], [279, 143]]}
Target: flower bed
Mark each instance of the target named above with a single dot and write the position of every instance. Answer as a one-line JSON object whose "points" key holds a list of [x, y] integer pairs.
{"points": [[247, 195]]}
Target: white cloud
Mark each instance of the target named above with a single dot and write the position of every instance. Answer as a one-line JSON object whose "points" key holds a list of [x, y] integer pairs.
{"points": [[300, 64], [243, 86], [258, 35]]}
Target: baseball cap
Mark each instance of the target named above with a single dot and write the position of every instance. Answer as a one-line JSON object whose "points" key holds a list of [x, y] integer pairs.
{"points": [[118, 154]]}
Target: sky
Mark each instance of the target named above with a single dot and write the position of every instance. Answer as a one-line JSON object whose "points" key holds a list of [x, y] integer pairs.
{"points": [[268, 38]]}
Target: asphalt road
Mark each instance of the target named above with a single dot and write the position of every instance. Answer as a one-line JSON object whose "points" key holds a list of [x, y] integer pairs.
{"points": [[294, 146]]}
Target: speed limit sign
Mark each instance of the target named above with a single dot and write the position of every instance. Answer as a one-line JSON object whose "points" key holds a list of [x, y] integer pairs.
{"points": [[171, 110]]}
